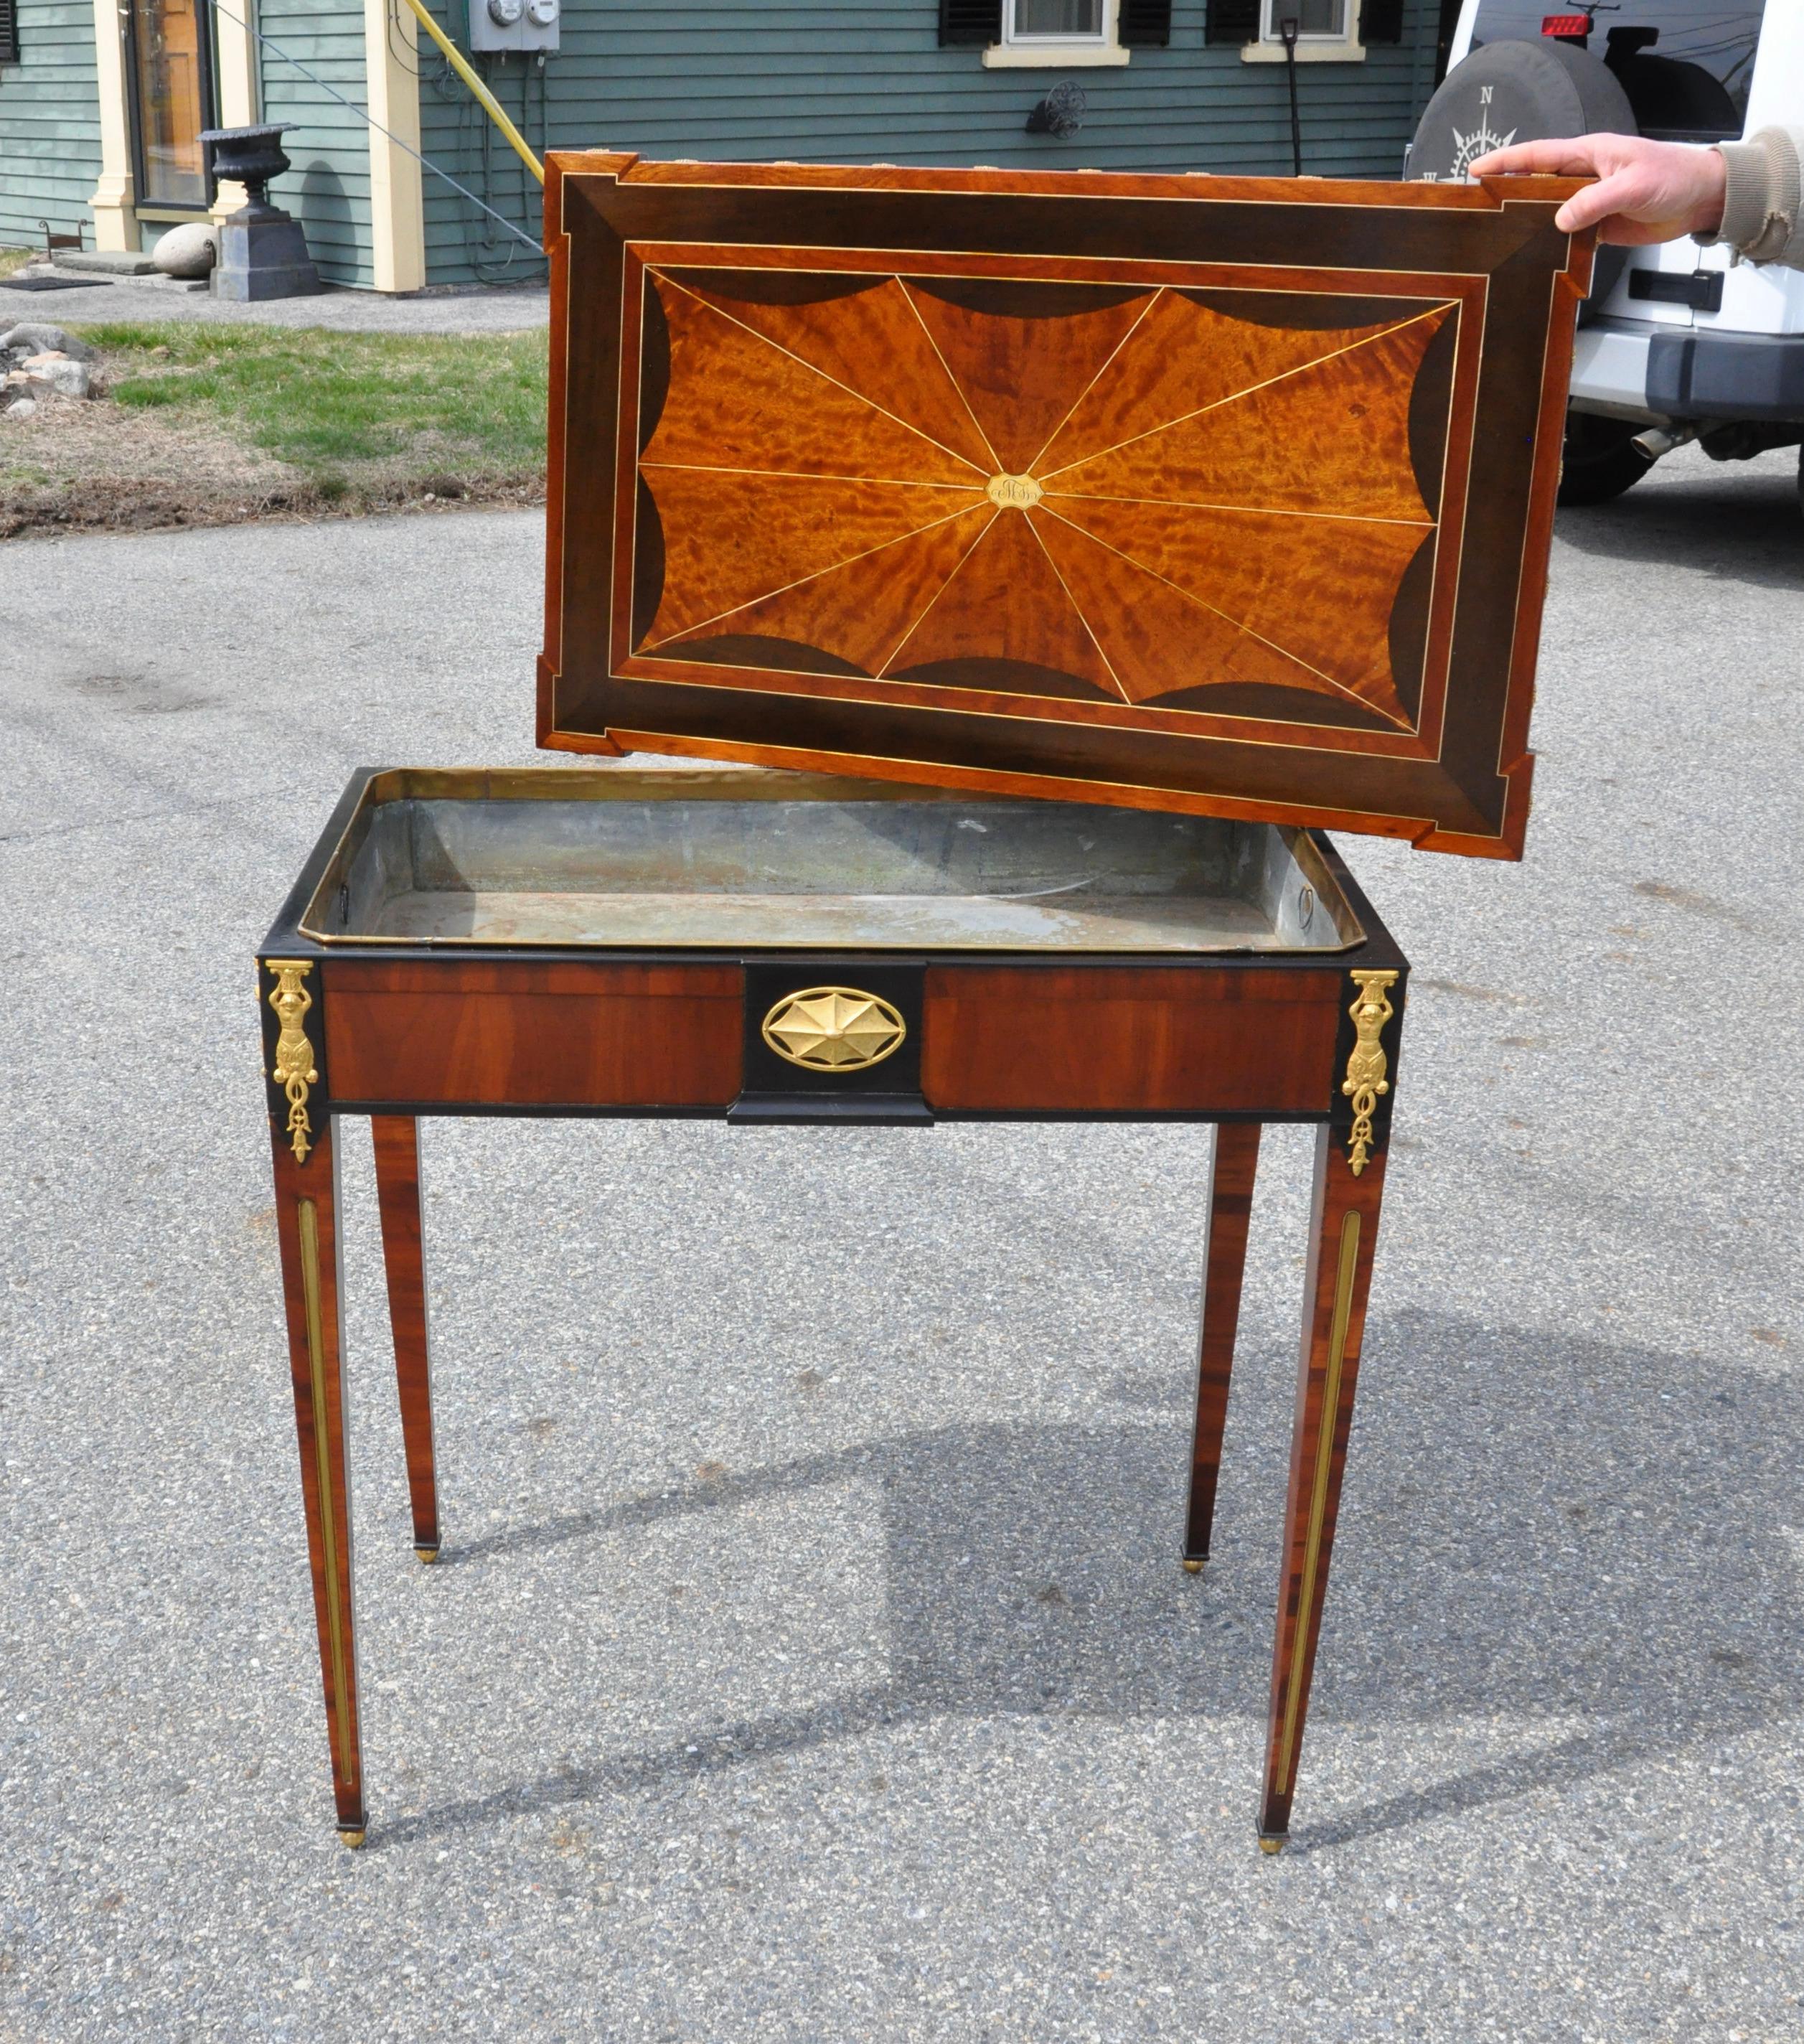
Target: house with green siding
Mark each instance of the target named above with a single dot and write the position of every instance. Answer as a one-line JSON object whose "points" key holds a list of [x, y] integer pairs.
{"points": [[103, 101]]}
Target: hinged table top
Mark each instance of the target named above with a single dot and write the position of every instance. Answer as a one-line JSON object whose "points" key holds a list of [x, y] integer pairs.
{"points": [[1230, 496]]}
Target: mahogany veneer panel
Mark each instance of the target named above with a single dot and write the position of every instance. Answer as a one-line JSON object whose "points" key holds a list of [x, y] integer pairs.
{"points": [[532, 1034], [1227, 495], [1128, 1039]]}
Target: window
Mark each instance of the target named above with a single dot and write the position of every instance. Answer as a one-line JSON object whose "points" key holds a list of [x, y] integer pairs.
{"points": [[8, 32], [1050, 34], [1052, 20], [1327, 31], [1315, 19]]}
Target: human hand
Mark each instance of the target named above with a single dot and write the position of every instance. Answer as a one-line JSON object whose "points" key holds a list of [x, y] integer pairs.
{"points": [[1646, 191]]}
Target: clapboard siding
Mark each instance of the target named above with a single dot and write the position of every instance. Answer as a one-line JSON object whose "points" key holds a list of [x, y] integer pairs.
{"points": [[49, 124], [859, 81], [867, 81], [328, 189]]}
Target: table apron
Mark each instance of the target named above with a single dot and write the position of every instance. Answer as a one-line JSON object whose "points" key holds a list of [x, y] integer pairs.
{"points": [[1120, 1042]]}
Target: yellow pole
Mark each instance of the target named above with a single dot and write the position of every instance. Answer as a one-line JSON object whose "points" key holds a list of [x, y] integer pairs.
{"points": [[454, 57]]}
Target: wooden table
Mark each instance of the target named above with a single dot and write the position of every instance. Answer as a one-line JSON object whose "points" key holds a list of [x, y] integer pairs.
{"points": [[562, 942]]}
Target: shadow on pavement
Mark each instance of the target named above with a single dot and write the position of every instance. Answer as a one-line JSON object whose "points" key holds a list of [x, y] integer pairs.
{"points": [[1532, 1526], [1737, 522]]}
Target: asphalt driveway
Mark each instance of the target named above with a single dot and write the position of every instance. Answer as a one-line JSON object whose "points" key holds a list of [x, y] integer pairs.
{"points": [[809, 1660]]}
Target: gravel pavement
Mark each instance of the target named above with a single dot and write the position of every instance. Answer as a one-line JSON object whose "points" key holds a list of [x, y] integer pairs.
{"points": [[809, 1660], [497, 309]]}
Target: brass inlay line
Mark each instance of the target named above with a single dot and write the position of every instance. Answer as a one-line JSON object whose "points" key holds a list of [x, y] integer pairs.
{"points": [[1252, 390], [294, 1070], [1249, 510], [322, 1464], [1203, 603], [1365, 1081], [1039, 453], [1082, 619], [1326, 1430], [957, 569], [957, 388], [783, 589], [805, 475], [918, 432]]}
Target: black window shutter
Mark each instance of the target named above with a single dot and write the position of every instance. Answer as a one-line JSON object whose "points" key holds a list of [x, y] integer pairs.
{"points": [[9, 32], [1144, 25], [1232, 21], [960, 20], [1381, 21]]}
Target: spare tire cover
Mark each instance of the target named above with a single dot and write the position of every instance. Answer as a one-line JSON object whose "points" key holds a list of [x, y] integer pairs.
{"points": [[1516, 92]]}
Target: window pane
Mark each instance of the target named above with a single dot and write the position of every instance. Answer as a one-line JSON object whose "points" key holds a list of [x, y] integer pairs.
{"points": [[171, 92], [1058, 18], [1313, 17]]}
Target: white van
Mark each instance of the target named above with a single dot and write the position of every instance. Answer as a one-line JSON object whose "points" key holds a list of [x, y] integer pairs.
{"points": [[1680, 341]]}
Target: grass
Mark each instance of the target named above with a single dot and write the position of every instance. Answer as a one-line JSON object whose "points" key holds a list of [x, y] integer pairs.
{"points": [[14, 258], [355, 413]]}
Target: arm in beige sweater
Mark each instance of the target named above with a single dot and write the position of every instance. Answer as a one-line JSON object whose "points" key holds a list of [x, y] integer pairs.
{"points": [[1745, 194], [1762, 208]]}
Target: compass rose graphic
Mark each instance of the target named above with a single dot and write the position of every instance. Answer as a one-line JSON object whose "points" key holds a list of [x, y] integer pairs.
{"points": [[1483, 140]]}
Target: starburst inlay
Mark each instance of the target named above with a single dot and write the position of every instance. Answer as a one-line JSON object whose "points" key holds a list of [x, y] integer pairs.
{"points": [[1120, 497]]}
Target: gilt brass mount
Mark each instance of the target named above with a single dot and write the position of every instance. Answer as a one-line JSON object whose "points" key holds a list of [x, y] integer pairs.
{"points": [[1365, 1081], [834, 1029], [294, 1068]]}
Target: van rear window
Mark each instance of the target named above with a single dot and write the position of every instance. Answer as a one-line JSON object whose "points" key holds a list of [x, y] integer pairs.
{"points": [[1686, 68]]}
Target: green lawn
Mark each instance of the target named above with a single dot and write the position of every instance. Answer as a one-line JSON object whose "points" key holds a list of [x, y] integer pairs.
{"points": [[12, 259], [358, 414]]}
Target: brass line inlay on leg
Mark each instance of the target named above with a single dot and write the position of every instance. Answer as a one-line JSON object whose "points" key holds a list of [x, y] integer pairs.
{"points": [[1318, 1492], [322, 1457], [1365, 1081]]}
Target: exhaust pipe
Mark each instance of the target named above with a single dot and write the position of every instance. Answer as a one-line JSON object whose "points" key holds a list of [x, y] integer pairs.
{"points": [[1658, 440]]}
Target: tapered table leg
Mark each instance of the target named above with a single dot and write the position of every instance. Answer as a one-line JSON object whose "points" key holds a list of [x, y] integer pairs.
{"points": [[1345, 1229], [397, 1195], [306, 1199], [1231, 1177]]}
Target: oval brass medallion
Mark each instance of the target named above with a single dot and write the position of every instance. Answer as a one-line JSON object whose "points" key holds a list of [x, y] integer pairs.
{"points": [[834, 1029], [1020, 491]]}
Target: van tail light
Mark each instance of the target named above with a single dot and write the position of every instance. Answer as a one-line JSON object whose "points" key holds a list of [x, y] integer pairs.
{"points": [[1565, 24]]}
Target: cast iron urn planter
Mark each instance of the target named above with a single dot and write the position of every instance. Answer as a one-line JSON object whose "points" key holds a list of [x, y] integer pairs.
{"points": [[262, 252]]}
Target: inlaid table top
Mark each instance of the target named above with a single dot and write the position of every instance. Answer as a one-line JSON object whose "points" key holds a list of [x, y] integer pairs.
{"points": [[1228, 496]]}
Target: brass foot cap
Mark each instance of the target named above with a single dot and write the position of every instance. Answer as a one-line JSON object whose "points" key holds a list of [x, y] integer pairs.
{"points": [[1272, 1845], [1191, 1568], [353, 1839], [426, 1553]]}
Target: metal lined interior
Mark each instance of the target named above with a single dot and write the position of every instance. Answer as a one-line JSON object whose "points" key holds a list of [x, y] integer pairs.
{"points": [[611, 861]]}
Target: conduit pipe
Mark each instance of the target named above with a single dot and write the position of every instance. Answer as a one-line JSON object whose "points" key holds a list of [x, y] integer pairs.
{"points": [[458, 62]]}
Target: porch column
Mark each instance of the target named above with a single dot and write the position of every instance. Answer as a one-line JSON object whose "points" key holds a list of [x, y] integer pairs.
{"points": [[115, 220], [235, 57], [397, 224]]}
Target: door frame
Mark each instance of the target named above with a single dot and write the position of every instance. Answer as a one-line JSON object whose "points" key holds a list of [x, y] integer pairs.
{"points": [[147, 207]]}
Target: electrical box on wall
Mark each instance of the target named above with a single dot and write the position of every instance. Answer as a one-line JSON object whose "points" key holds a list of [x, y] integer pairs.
{"points": [[513, 25]]}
